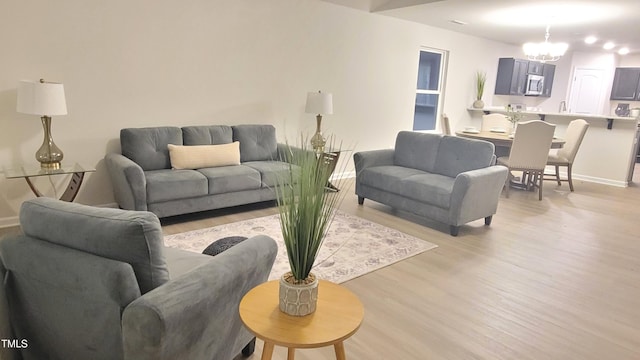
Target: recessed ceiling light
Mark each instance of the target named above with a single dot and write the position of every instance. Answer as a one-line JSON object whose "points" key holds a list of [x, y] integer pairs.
{"points": [[459, 22], [608, 45], [623, 51], [590, 39]]}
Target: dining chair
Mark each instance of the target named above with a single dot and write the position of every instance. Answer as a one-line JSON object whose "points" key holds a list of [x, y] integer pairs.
{"points": [[446, 125], [495, 121], [529, 152], [565, 155]]}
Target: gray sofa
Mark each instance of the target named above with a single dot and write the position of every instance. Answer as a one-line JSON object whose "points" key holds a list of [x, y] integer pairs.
{"points": [[143, 178], [445, 178], [98, 283]]}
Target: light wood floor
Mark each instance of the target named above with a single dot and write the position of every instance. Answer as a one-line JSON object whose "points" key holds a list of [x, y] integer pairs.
{"points": [[551, 279]]}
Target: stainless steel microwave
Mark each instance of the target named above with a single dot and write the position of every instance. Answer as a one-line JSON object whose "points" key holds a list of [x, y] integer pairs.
{"points": [[535, 85]]}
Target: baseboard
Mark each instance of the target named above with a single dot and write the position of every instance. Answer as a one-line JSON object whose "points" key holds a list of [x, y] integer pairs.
{"points": [[597, 180], [343, 175], [12, 221]]}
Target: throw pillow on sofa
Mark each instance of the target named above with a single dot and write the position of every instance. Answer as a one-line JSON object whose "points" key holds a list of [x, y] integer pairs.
{"points": [[204, 156]]}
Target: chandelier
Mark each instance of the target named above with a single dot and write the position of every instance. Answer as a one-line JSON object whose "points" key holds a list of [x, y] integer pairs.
{"points": [[544, 51]]}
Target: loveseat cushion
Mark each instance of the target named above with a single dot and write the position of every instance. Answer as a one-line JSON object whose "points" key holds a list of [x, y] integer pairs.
{"points": [[272, 173], [430, 188], [227, 179], [165, 185], [207, 135], [457, 155], [147, 147], [257, 142], [416, 150], [134, 237]]}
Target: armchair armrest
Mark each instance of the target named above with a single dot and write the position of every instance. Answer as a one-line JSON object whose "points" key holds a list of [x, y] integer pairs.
{"points": [[195, 316], [365, 159], [475, 194], [129, 182]]}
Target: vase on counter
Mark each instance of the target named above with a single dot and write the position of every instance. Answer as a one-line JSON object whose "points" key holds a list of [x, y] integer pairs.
{"points": [[478, 104]]}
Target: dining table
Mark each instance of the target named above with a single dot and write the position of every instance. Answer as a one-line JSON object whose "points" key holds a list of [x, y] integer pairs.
{"points": [[501, 139]]}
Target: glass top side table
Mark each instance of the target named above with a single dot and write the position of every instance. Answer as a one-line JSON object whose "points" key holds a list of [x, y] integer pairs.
{"points": [[27, 172]]}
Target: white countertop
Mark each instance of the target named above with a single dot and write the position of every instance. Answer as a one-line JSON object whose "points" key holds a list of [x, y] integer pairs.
{"points": [[500, 109]]}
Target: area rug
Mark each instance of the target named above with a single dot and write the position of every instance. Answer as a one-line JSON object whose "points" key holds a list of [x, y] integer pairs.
{"points": [[352, 247]]}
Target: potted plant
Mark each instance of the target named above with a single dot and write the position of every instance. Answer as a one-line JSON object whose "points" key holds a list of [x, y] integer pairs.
{"points": [[481, 78], [306, 210]]}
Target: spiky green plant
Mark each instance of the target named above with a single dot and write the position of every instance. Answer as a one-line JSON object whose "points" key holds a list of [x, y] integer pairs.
{"points": [[481, 78], [305, 207]]}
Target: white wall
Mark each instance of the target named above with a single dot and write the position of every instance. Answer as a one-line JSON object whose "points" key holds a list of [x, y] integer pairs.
{"points": [[135, 63]]}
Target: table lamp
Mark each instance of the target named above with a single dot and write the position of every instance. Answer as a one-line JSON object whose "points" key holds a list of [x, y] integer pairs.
{"points": [[318, 103], [44, 99]]}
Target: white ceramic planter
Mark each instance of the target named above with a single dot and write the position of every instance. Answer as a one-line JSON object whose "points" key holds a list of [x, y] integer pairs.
{"points": [[298, 300]]}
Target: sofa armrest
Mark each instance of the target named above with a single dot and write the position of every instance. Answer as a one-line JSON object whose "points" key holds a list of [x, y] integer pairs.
{"points": [[365, 159], [129, 182], [475, 194], [195, 316]]}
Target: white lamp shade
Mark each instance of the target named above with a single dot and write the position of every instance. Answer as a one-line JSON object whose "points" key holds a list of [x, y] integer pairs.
{"points": [[44, 99], [319, 103]]}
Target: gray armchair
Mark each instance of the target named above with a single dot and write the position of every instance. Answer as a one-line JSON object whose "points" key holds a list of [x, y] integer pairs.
{"points": [[97, 283]]}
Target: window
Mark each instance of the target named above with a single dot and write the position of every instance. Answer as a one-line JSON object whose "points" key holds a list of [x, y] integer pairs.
{"points": [[431, 70]]}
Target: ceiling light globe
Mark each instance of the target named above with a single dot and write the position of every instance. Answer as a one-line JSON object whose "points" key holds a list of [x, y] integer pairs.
{"points": [[623, 51], [608, 45], [590, 40]]}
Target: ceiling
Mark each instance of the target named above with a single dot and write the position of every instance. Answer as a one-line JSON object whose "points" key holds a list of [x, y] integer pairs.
{"points": [[519, 21]]}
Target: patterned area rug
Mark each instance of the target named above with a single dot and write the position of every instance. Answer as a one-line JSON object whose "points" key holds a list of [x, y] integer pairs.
{"points": [[352, 248]]}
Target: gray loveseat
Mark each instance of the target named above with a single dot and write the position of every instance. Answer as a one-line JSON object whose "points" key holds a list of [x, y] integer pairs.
{"points": [[445, 178], [97, 283], [143, 178]]}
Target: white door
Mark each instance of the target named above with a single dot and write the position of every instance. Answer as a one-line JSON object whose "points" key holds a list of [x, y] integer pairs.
{"points": [[586, 91]]}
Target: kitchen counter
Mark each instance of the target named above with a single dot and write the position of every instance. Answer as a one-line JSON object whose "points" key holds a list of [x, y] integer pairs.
{"points": [[609, 118], [607, 153]]}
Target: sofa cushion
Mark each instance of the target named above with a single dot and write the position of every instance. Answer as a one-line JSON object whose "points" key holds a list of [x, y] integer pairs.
{"points": [[386, 177], [434, 189], [226, 179], [257, 142], [272, 173], [165, 185], [147, 147], [207, 135], [457, 155], [416, 150], [430, 188], [204, 156], [134, 237]]}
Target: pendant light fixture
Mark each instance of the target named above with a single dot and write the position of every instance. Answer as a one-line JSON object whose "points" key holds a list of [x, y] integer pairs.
{"points": [[545, 51]]}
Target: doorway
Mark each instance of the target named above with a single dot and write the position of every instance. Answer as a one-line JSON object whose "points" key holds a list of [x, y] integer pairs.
{"points": [[586, 96]]}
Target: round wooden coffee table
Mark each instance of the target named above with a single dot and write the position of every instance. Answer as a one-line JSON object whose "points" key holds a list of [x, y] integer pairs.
{"points": [[338, 316]]}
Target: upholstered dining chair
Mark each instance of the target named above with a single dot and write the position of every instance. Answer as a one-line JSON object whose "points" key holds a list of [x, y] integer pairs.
{"points": [[565, 155], [495, 121], [446, 125], [529, 153]]}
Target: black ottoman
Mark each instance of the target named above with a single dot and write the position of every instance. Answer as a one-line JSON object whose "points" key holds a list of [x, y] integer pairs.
{"points": [[223, 244]]}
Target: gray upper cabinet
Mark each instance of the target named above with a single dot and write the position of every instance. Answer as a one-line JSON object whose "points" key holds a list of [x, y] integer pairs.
{"points": [[512, 76], [626, 84], [548, 71], [535, 68]]}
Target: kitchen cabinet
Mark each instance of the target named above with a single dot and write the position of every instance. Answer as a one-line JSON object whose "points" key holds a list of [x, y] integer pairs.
{"points": [[535, 68], [512, 76], [548, 71], [626, 84]]}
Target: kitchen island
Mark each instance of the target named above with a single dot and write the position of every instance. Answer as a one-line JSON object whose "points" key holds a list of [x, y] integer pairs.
{"points": [[608, 152]]}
